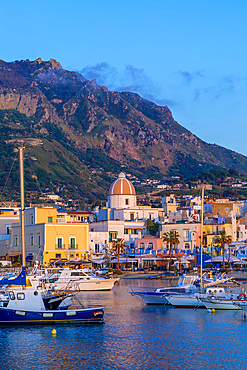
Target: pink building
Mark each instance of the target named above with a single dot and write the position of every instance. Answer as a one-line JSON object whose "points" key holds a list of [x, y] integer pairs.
{"points": [[148, 242]]}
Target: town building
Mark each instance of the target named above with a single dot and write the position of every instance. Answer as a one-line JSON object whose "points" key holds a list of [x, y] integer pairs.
{"points": [[50, 235]]}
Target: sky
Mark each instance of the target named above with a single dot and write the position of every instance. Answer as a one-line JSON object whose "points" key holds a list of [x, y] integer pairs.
{"points": [[190, 55]]}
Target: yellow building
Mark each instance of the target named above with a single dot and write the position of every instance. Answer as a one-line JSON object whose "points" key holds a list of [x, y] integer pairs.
{"points": [[169, 204], [50, 234], [210, 233]]}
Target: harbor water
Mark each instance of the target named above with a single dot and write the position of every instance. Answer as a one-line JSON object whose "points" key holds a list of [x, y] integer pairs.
{"points": [[133, 336]]}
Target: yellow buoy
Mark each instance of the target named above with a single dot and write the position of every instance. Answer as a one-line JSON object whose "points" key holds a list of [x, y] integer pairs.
{"points": [[213, 310], [54, 332]]}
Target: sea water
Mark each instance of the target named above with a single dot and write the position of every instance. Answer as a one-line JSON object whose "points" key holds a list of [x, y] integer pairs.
{"points": [[133, 336]]}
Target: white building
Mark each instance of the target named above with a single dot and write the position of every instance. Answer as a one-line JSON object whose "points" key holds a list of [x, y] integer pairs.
{"points": [[122, 218]]}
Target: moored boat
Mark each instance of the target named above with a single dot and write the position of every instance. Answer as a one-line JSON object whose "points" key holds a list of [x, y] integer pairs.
{"points": [[24, 305], [80, 279], [186, 284]]}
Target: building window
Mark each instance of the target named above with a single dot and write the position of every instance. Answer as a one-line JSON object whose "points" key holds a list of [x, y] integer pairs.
{"points": [[112, 235], [126, 231], [58, 255], [39, 239], [141, 246], [132, 216], [31, 240], [96, 248], [150, 245], [59, 243], [32, 219], [187, 246], [72, 243], [16, 241], [49, 220], [187, 234], [126, 202]]}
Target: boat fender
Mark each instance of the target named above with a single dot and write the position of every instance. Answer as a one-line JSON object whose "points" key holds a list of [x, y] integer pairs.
{"points": [[242, 297]]}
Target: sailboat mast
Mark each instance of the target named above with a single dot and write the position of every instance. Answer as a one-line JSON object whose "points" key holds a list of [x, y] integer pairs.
{"points": [[22, 207], [202, 232]]}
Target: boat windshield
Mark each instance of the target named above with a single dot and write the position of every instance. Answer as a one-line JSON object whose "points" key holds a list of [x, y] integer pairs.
{"points": [[54, 277], [189, 279]]}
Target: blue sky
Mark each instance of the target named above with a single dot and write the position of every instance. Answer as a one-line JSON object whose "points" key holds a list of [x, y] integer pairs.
{"points": [[190, 55]]}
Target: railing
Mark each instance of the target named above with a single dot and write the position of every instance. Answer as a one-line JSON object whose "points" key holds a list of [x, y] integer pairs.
{"points": [[60, 246], [75, 246], [64, 246]]}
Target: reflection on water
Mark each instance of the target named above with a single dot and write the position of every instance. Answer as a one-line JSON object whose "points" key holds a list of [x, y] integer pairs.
{"points": [[133, 336]]}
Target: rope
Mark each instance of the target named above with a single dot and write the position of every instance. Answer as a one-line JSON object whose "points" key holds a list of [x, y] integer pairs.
{"points": [[9, 174]]}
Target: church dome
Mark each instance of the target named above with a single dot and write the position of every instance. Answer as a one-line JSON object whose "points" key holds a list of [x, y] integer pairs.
{"points": [[122, 186]]}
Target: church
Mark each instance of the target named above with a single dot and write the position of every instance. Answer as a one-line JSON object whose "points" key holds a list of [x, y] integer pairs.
{"points": [[121, 217]]}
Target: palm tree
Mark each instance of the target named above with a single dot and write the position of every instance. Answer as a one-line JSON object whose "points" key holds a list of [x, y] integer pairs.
{"points": [[118, 246], [152, 227], [222, 239], [171, 238]]}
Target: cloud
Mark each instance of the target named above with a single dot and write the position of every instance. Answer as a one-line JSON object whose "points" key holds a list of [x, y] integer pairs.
{"points": [[189, 77], [226, 85], [130, 79]]}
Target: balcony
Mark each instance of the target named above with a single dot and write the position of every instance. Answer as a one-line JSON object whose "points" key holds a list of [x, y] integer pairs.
{"points": [[60, 246], [64, 246], [72, 247]]}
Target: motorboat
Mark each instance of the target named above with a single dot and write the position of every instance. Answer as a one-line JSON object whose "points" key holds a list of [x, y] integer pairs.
{"points": [[232, 302], [80, 279], [187, 284], [194, 300]]}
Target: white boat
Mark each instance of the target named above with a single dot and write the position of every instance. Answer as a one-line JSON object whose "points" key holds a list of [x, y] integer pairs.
{"points": [[194, 300], [186, 284], [80, 279], [230, 302]]}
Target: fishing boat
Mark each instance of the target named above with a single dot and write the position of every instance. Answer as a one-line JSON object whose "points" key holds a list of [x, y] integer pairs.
{"points": [[21, 303]]}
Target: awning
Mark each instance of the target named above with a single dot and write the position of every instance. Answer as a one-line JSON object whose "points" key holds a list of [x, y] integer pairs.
{"points": [[124, 260], [28, 258], [77, 262], [227, 260], [98, 261], [14, 254]]}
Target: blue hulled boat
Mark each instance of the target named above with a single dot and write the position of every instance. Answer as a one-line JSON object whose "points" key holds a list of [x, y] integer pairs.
{"points": [[28, 305]]}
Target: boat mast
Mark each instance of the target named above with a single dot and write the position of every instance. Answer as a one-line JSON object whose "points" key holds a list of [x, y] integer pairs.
{"points": [[22, 206], [202, 232]]}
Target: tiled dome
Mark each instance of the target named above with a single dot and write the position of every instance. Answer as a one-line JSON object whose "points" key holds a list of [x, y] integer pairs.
{"points": [[122, 186]]}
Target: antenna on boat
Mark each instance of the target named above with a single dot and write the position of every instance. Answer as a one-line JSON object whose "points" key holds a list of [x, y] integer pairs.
{"points": [[202, 233], [22, 206]]}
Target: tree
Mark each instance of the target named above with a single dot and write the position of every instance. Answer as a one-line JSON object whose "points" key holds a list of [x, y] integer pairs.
{"points": [[171, 238], [118, 246], [221, 240], [152, 227]]}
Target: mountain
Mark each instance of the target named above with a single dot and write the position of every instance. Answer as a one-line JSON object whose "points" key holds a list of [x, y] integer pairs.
{"points": [[79, 135]]}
